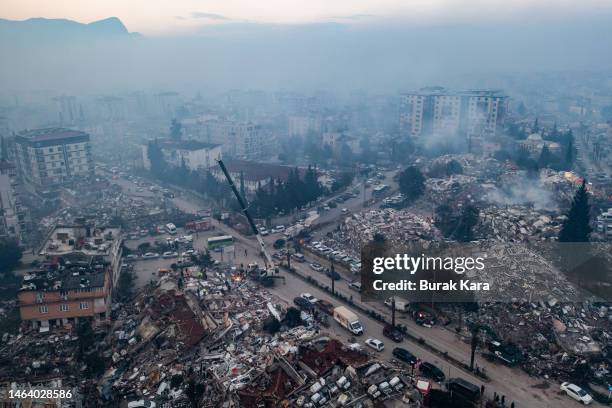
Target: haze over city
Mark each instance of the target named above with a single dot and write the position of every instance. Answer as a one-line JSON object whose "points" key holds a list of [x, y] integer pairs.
{"points": [[305, 203]]}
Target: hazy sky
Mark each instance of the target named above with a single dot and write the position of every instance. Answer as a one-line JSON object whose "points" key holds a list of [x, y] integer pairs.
{"points": [[158, 17]]}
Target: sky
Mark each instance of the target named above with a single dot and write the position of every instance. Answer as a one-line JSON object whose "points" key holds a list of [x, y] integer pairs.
{"points": [[171, 17]]}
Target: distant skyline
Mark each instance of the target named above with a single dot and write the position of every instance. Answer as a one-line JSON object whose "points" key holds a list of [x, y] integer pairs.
{"points": [[160, 17]]}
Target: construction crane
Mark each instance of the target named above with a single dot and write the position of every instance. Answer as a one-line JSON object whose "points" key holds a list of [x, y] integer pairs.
{"points": [[270, 272]]}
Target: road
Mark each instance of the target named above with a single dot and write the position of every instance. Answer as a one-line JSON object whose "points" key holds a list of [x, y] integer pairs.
{"points": [[525, 391]]}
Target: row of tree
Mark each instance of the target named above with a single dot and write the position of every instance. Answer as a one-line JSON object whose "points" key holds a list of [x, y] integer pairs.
{"points": [[294, 193]]}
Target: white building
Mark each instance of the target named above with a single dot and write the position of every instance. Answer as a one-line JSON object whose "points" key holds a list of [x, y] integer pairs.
{"points": [[302, 125], [336, 140], [47, 158], [474, 113], [237, 139], [195, 154]]}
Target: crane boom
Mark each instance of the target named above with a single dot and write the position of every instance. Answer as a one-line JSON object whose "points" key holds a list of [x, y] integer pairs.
{"points": [[268, 260]]}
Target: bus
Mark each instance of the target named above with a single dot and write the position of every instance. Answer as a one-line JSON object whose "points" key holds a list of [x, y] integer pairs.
{"points": [[171, 228], [220, 242]]}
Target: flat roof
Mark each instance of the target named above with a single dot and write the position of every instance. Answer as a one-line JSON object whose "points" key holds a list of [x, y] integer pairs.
{"points": [[79, 238], [50, 134], [187, 144]]}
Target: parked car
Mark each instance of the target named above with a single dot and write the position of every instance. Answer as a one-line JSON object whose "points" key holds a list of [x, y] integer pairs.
{"points": [[431, 371], [303, 304], [263, 232], [141, 404], [325, 306], [356, 285], [577, 393], [309, 298], [316, 267], [169, 254], [404, 355], [150, 255], [375, 344], [335, 275], [131, 257], [393, 333]]}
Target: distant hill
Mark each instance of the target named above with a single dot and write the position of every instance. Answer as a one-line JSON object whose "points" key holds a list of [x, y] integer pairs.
{"points": [[51, 30]]}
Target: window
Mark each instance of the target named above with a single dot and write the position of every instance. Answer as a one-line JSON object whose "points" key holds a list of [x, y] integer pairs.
{"points": [[43, 309], [64, 307], [84, 305], [40, 297]]}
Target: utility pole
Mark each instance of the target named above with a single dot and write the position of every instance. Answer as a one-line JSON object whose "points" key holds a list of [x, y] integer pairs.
{"points": [[393, 311], [474, 344], [333, 282]]}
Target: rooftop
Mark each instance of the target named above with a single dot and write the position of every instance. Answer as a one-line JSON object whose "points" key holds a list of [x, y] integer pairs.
{"points": [[82, 239], [187, 144], [254, 171], [49, 134], [69, 272]]}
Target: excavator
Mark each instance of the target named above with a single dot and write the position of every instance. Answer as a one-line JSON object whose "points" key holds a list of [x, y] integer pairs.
{"points": [[269, 274]]}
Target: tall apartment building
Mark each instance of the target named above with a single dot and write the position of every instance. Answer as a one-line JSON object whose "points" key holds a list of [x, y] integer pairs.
{"points": [[48, 158], [237, 139], [77, 280], [12, 216], [472, 113]]}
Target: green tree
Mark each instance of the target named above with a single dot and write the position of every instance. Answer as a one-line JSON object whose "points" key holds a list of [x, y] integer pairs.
{"points": [[156, 158], [176, 129], [546, 157], [10, 255], [125, 285], [412, 183], [576, 228]]}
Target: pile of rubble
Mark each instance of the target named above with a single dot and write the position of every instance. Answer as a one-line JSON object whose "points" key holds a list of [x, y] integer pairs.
{"points": [[453, 190], [395, 225], [213, 332], [518, 224]]}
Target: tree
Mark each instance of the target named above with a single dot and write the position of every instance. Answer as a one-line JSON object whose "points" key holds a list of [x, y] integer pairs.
{"points": [[156, 158], [576, 228], [176, 129], [125, 285], [412, 183], [569, 154], [546, 157], [86, 337], [10, 255]]}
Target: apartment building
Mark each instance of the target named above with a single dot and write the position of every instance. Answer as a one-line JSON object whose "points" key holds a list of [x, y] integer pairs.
{"points": [[48, 158], [195, 154], [77, 279], [237, 139], [437, 111], [12, 214]]}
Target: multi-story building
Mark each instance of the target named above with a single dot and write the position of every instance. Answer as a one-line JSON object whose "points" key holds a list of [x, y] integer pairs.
{"points": [[302, 125], [12, 216], [49, 158], [435, 111], [195, 154], [238, 140], [77, 280]]}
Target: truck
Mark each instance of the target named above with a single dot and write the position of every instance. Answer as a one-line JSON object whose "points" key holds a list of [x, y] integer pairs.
{"points": [[198, 225], [348, 319]]}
